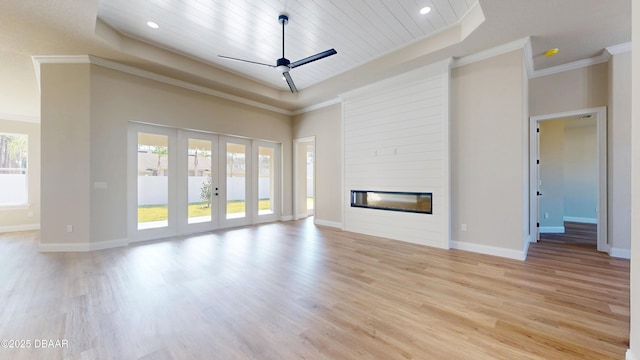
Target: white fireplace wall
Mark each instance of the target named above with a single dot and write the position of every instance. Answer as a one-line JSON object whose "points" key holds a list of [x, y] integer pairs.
{"points": [[396, 138]]}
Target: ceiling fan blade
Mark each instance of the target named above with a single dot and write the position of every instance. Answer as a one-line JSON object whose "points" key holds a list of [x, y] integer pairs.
{"points": [[312, 58], [247, 61], [292, 86]]}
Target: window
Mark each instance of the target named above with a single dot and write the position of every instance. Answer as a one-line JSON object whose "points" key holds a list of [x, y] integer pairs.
{"points": [[13, 169], [200, 184], [266, 177], [153, 181]]}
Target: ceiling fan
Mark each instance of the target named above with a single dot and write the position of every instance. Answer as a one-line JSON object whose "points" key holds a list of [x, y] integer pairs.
{"points": [[283, 64]]}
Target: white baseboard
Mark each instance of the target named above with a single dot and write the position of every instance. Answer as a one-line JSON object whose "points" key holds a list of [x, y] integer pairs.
{"points": [[551, 229], [525, 252], [83, 247], [620, 253], [27, 227], [630, 355], [109, 244], [286, 218], [580, 220], [489, 250], [333, 224], [301, 216]]}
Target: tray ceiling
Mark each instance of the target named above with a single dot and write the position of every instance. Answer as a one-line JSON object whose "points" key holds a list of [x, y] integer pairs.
{"points": [[359, 30]]}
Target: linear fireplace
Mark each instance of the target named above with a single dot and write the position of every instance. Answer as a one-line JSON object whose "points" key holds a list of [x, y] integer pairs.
{"points": [[414, 202]]}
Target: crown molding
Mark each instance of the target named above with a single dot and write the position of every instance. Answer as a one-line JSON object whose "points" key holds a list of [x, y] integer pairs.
{"points": [[602, 58], [489, 53], [524, 43], [317, 106], [62, 59], [21, 118], [56, 59], [84, 59], [528, 57], [619, 49]]}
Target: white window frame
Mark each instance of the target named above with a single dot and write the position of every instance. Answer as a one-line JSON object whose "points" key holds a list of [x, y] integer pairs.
{"points": [[277, 171], [26, 204], [134, 233]]}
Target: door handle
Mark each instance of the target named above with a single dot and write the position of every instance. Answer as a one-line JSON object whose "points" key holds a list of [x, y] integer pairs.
{"points": [[539, 193]]}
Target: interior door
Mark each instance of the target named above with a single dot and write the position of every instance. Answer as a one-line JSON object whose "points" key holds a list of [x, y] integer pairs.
{"points": [[538, 184]]}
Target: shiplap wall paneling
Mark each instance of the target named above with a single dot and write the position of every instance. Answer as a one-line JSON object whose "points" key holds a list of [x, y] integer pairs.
{"points": [[396, 139]]}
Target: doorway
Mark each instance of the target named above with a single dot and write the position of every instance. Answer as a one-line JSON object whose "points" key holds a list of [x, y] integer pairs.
{"points": [[568, 182], [304, 179], [183, 182]]}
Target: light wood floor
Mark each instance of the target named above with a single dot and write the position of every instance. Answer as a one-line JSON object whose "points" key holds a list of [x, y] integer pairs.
{"points": [[296, 291]]}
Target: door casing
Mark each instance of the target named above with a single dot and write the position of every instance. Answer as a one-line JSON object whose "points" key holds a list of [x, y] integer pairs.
{"points": [[178, 218], [534, 148]]}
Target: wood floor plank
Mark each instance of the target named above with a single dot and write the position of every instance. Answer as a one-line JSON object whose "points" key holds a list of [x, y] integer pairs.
{"points": [[297, 291]]}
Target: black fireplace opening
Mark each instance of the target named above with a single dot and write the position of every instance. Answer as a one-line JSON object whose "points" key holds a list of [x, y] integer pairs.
{"points": [[415, 202]]}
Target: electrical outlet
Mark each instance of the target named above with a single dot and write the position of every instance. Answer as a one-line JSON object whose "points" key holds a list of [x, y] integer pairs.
{"points": [[69, 228], [546, 215], [30, 214], [463, 227]]}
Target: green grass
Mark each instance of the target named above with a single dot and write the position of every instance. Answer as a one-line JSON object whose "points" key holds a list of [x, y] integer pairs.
{"points": [[199, 209], [150, 213]]}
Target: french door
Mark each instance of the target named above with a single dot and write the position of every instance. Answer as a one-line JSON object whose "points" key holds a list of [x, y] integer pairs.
{"points": [[236, 200], [183, 182], [266, 183], [152, 190], [198, 182]]}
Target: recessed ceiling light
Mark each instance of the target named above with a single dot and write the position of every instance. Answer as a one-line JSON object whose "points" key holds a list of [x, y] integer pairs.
{"points": [[152, 25], [425, 10]]}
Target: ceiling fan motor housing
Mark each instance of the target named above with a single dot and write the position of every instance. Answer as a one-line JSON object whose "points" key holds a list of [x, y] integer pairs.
{"points": [[282, 65]]}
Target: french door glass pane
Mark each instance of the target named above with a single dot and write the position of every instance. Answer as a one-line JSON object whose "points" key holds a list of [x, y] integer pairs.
{"points": [[265, 180], [310, 177], [199, 173], [236, 181], [153, 181]]}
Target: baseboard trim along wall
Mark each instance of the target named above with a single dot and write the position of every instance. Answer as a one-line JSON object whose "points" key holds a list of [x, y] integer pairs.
{"points": [[286, 218], [580, 220], [630, 355], [489, 250], [301, 216], [551, 229], [332, 224], [84, 247], [527, 243], [27, 227], [620, 253]]}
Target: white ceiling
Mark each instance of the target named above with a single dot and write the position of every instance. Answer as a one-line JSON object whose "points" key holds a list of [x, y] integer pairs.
{"points": [[249, 29], [374, 39]]}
